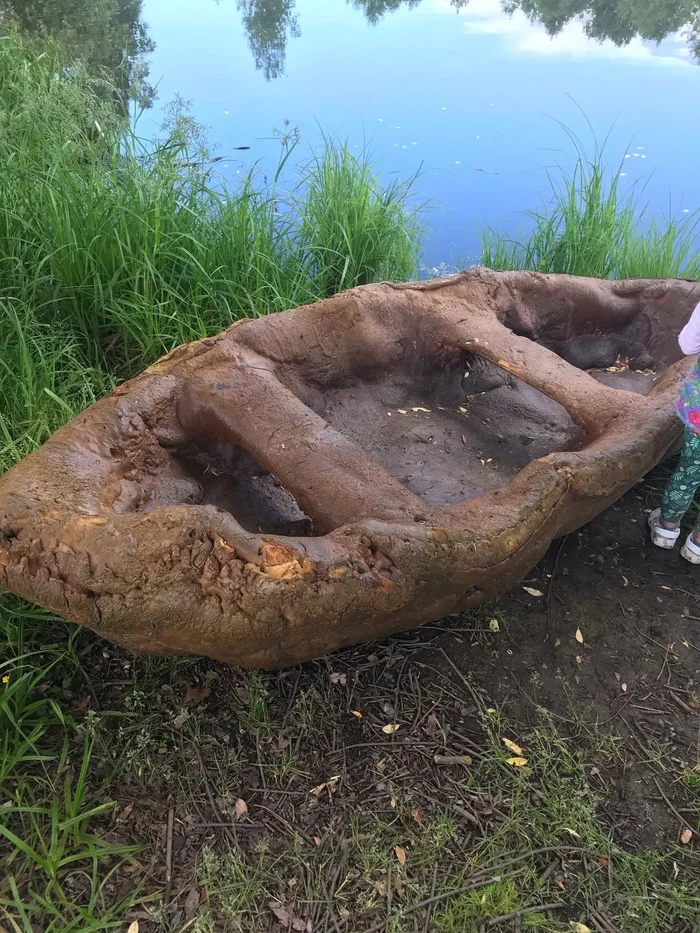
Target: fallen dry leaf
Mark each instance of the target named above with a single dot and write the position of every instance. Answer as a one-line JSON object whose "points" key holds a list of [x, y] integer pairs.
{"points": [[579, 636], [284, 917], [356, 713], [533, 592], [693, 703], [518, 761], [181, 719], [241, 807], [579, 659], [624, 688], [580, 928], [400, 854], [392, 803], [125, 813], [417, 815], [426, 410], [330, 785], [133, 927], [191, 904], [625, 581], [512, 747], [402, 411], [317, 840], [81, 705], [686, 836], [391, 727], [494, 626], [338, 677], [194, 696]]}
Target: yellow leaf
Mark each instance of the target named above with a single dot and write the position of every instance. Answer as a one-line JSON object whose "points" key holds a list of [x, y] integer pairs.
{"points": [[402, 411], [572, 832], [512, 747], [625, 581], [133, 927], [400, 854], [624, 688], [533, 592], [494, 626], [391, 727], [686, 836], [356, 713], [579, 636], [427, 410], [518, 761], [580, 928]]}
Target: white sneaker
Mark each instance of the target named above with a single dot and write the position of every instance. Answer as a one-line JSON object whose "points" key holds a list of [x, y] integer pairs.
{"points": [[665, 537], [691, 550]]}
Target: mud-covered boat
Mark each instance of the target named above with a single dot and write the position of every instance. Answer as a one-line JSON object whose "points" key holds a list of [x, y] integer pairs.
{"points": [[356, 467]]}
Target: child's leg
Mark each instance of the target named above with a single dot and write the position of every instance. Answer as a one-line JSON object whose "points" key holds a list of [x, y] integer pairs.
{"points": [[682, 486]]}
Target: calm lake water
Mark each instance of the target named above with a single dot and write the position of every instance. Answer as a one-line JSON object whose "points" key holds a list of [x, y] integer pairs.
{"points": [[468, 92]]}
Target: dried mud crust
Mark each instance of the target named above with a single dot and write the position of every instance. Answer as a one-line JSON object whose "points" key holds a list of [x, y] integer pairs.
{"points": [[349, 469]]}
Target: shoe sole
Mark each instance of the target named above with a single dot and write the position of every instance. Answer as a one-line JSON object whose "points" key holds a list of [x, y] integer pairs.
{"points": [[667, 544], [689, 555]]}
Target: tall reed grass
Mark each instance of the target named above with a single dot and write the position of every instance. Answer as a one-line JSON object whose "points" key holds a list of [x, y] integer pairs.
{"points": [[590, 226], [114, 249]]}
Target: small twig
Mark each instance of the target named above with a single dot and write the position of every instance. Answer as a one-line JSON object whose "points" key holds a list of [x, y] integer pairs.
{"points": [[429, 911], [548, 601], [210, 796], [539, 908], [463, 760], [672, 808], [676, 699], [169, 857], [603, 922], [388, 896], [478, 700]]}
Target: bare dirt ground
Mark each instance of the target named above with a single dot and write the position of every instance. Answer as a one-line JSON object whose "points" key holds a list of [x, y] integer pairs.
{"points": [[533, 765]]}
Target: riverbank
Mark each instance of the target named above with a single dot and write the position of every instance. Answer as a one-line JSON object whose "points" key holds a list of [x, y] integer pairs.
{"points": [[179, 794]]}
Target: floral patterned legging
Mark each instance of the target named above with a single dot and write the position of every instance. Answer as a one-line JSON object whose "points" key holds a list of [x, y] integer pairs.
{"points": [[681, 488]]}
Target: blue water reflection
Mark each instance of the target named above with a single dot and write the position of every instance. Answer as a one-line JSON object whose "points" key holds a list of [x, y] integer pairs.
{"points": [[471, 95]]}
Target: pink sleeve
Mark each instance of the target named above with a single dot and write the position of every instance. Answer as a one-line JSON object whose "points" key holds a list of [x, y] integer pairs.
{"points": [[689, 337]]}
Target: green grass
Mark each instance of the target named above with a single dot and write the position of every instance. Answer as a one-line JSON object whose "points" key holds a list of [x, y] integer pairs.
{"points": [[591, 226]]}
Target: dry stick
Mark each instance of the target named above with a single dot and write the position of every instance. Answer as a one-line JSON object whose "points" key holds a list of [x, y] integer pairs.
{"points": [[538, 908], [548, 602], [676, 699], [672, 808], [479, 700], [212, 802], [463, 760], [605, 924], [429, 911], [388, 896], [169, 857]]}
